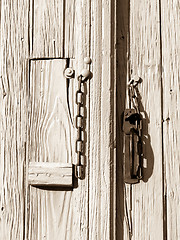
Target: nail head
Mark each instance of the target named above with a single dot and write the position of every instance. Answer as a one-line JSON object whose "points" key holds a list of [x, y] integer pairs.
{"points": [[87, 60]]}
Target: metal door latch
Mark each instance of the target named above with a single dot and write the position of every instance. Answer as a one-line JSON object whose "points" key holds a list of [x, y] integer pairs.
{"points": [[132, 127], [85, 74]]}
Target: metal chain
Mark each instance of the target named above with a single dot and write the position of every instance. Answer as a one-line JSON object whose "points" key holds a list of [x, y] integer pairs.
{"points": [[79, 168], [133, 97]]}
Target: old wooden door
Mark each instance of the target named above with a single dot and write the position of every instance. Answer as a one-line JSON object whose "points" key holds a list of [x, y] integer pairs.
{"points": [[40, 198], [147, 47]]}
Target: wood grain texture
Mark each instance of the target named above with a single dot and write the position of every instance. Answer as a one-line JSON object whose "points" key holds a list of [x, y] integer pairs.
{"points": [[49, 121], [50, 174], [51, 214], [51, 140], [13, 86], [35, 124], [122, 76], [70, 28], [145, 61], [52, 28], [170, 24], [102, 126], [143, 209], [48, 28], [82, 49], [71, 218]]}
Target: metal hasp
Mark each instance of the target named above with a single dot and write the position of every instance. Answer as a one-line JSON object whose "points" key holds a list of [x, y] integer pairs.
{"points": [[132, 127]]}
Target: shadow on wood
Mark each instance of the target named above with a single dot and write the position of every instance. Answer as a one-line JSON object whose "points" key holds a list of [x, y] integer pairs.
{"points": [[123, 74], [122, 49], [53, 189], [148, 155]]}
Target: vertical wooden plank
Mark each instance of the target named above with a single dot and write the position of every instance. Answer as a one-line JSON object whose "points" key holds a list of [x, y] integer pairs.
{"points": [[108, 134], [102, 123], [49, 121], [171, 113], [74, 224], [14, 68], [122, 62], [69, 31], [52, 28], [48, 28], [82, 50], [95, 107], [50, 140], [145, 199]]}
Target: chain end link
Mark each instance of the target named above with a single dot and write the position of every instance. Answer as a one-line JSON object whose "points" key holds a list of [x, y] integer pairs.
{"points": [[79, 171]]}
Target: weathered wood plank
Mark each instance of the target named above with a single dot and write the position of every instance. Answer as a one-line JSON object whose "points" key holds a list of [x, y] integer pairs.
{"points": [[52, 28], [50, 174], [122, 76], [170, 29], [51, 214], [145, 61], [101, 192], [48, 28], [49, 120], [108, 134], [48, 103], [139, 40], [95, 136], [70, 28], [82, 49], [50, 140], [13, 77]]}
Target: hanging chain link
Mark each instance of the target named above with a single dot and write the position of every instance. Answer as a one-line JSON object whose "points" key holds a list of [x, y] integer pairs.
{"points": [[133, 97], [79, 122]]}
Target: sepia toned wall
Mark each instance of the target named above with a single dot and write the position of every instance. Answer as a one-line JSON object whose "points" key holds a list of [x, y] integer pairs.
{"points": [[39, 39], [147, 47], [125, 40]]}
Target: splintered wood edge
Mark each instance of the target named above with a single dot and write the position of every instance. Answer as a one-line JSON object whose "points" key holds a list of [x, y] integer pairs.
{"points": [[50, 174]]}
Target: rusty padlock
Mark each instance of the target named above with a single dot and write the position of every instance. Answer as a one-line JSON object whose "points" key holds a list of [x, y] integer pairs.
{"points": [[132, 126]]}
